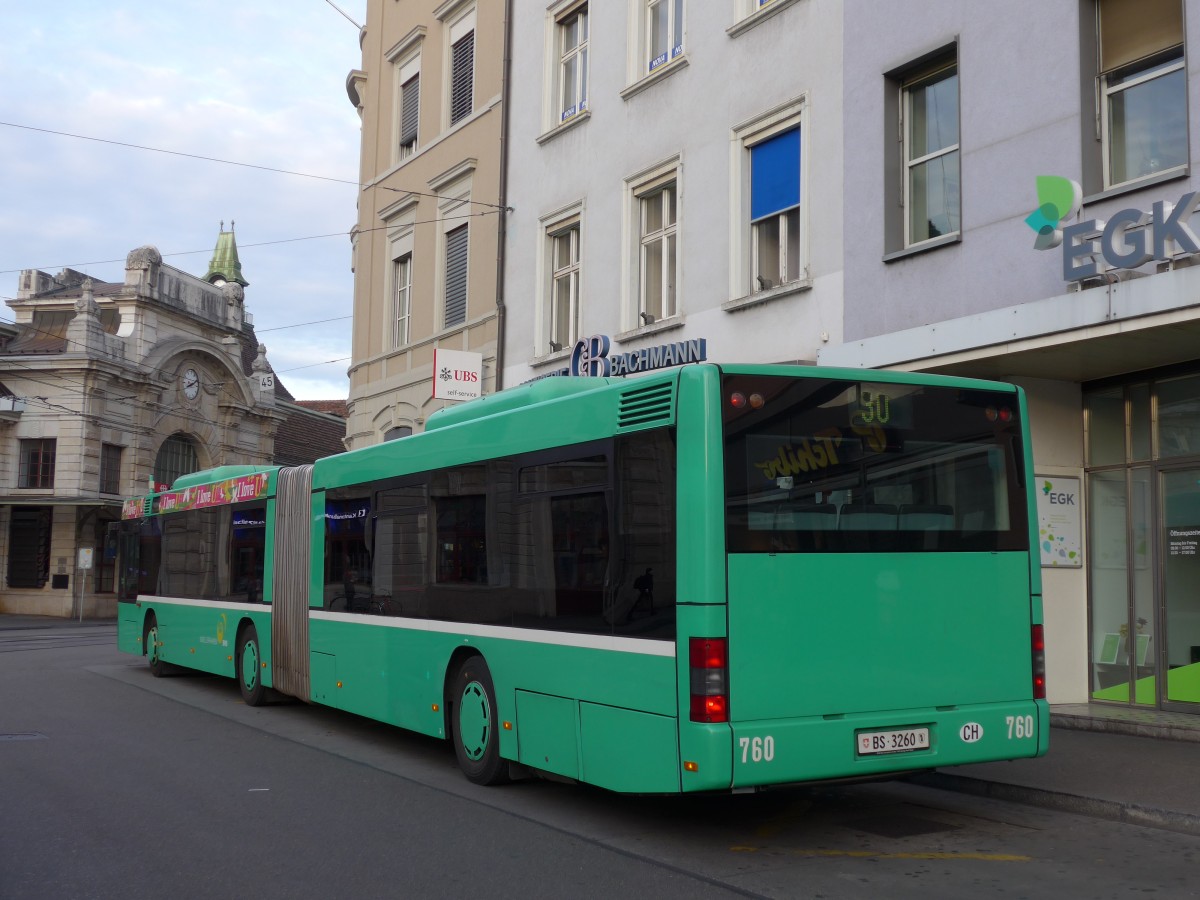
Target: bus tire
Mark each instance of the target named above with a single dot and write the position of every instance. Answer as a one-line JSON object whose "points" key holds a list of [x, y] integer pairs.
{"points": [[247, 660], [473, 724], [151, 643]]}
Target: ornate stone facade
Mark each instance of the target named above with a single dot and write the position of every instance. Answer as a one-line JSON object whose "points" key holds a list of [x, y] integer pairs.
{"points": [[106, 387]]}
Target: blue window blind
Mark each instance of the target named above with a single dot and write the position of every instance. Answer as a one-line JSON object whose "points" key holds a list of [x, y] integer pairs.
{"points": [[775, 175]]}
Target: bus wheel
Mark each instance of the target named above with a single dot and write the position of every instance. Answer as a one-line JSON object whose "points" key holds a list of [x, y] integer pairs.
{"points": [[248, 663], [158, 668], [473, 724]]}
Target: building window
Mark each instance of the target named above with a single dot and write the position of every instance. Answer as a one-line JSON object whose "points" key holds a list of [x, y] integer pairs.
{"points": [[769, 248], [664, 32], [29, 546], [656, 28], [1143, 88], [775, 210], [408, 77], [110, 468], [456, 276], [564, 287], [658, 217], [397, 431], [929, 110], [37, 463], [462, 68], [572, 35], [177, 456], [748, 14], [401, 299]]}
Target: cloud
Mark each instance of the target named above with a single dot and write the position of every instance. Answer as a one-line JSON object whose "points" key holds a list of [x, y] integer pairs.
{"points": [[260, 82]]}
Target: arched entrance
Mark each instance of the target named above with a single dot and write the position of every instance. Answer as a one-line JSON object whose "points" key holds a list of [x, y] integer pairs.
{"points": [[177, 456]]}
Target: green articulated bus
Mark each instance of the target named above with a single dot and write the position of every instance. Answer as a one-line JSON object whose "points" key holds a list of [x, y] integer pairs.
{"points": [[710, 578]]}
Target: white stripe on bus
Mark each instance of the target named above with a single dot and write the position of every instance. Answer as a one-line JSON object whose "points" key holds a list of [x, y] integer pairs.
{"points": [[559, 638], [529, 635]]}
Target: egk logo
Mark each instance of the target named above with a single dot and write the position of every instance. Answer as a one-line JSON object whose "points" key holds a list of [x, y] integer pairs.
{"points": [[1128, 239], [1057, 498], [1058, 198]]}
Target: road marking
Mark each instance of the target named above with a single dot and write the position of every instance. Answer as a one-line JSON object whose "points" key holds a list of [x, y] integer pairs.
{"points": [[868, 854]]}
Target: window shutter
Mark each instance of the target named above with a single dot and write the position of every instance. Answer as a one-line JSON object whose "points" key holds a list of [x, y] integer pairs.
{"points": [[410, 103], [462, 77], [456, 276], [1133, 29], [775, 175]]}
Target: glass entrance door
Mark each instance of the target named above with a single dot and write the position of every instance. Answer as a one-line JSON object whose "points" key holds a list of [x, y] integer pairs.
{"points": [[1180, 539], [1122, 586]]}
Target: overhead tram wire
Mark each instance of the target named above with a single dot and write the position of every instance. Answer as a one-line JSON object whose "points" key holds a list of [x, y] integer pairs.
{"points": [[160, 407], [344, 13], [327, 362], [74, 387], [231, 162], [311, 237], [183, 413]]}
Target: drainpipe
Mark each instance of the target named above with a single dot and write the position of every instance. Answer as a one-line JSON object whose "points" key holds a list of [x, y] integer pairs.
{"points": [[502, 225]]}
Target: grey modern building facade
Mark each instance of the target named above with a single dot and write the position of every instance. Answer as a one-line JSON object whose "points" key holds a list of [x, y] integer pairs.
{"points": [[1018, 205]]}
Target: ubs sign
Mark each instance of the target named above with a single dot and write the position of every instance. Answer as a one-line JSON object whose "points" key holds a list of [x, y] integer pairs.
{"points": [[1130, 238]]}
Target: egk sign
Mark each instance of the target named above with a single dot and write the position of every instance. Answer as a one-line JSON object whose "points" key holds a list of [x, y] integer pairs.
{"points": [[1129, 239]]}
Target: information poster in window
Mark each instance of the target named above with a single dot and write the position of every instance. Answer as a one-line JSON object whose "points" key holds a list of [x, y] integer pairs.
{"points": [[1059, 533]]}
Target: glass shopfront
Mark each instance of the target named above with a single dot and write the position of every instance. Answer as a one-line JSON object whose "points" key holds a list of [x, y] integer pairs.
{"points": [[1143, 492]]}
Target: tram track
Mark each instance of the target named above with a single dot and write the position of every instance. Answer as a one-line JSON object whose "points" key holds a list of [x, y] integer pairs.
{"points": [[17, 642]]}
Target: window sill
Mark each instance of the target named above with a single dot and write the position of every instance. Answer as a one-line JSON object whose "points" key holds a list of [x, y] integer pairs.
{"points": [[924, 247], [567, 125], [776, 293], [651, 78], [653, 328], [758, 17], [1130, 186], [556, 356]]}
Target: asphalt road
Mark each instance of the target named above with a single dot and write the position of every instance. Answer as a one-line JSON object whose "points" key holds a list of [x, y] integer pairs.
{"points": [[117, 784]]}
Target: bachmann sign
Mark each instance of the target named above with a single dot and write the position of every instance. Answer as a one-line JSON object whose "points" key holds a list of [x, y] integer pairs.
{"points": [[592, 357], [1128, 239]]}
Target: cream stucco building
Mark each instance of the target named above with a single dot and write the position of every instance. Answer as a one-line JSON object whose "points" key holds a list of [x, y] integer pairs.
{"points": [[429, 212]]}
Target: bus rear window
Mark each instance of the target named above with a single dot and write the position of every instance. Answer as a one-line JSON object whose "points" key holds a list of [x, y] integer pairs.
{"points": [[822, 465]]}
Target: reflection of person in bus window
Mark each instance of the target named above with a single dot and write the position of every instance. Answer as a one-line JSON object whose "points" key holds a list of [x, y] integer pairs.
{"points": [[348, 576]]}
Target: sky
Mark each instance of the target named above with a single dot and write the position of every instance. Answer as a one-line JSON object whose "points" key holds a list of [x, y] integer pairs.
{"points": [[260, 82]]}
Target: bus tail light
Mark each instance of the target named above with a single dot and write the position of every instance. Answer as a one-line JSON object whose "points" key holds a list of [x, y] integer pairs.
{"points": [[709, 661], [1039, 663]]}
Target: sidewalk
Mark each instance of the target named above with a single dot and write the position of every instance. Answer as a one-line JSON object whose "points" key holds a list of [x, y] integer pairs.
{"points": [[1131, 765], [1114, 762]]}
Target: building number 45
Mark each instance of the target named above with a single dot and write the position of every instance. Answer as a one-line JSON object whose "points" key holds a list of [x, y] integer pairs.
{"points": [[759, 749]]}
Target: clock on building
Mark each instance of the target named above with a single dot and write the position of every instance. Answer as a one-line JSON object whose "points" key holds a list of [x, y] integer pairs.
{"points": [[191, 384]]}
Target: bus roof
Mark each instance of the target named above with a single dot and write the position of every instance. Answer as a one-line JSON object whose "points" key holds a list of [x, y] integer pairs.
{"points": [[220, 473]]}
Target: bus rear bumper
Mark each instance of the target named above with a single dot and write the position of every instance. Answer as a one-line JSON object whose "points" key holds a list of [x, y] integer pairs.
{"points": [[871, 745]]}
